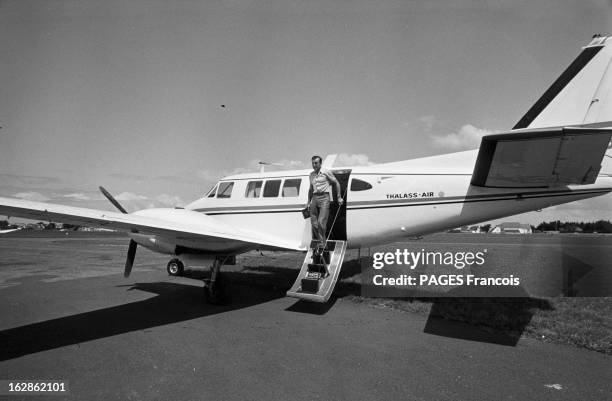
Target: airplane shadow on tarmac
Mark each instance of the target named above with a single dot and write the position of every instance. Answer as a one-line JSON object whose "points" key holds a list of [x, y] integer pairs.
{"points": [[174, 302], [491, 320], [496, 320]]}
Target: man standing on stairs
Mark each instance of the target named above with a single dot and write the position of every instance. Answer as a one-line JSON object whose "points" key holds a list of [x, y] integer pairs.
{"points": [[319, 197]]}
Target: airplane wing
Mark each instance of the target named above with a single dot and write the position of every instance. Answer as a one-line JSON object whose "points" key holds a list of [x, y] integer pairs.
{"points": [[169, 223], [538, 158]]}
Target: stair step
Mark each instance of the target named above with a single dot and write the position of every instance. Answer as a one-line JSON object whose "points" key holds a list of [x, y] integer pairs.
{"points": [[319, 274], [317, 268], [324, 258], [310, 285]]}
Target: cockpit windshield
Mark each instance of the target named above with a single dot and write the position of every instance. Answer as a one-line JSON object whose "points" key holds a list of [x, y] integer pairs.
{"points": [[211, 192]]}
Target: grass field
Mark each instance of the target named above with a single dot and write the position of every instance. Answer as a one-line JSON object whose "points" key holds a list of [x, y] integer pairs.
{"points": [[542, 262]]}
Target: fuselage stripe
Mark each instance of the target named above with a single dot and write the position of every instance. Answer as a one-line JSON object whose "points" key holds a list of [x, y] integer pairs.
{"points": [[467, 200], [402, 203]]}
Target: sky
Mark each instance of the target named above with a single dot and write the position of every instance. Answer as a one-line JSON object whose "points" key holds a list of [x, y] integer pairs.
{"points": [[156, 100]]}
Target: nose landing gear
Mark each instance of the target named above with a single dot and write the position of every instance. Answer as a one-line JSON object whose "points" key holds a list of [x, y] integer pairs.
{"points": [[175, 267]]}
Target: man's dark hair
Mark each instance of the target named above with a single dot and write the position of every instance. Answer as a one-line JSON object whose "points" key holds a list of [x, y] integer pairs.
{"points": [[316, 157]]}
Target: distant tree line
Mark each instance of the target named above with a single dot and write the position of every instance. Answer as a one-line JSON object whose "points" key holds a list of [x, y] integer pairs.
{"points": [[72, 227], [5, 225], [599, 226]]}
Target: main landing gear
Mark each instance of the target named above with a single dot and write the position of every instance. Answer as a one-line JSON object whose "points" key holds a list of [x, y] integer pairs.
{"points": [[216, 289]]}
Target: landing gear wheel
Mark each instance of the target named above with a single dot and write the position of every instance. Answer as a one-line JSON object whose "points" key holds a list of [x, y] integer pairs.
{"points": [[216, 292], [175, 267]]}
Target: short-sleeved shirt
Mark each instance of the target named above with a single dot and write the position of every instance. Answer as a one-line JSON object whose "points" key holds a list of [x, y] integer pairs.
{"points": [[321, 182]]}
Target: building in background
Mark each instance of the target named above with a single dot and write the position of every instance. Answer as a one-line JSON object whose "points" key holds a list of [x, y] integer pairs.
{"points": [[511, 228], [467, 229]]}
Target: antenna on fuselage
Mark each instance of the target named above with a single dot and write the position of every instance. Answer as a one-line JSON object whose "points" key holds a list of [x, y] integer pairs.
{"points": [[264, 164]]}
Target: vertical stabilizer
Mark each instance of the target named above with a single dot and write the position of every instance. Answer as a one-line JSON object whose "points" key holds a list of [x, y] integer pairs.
{"points": [[581, 95]]}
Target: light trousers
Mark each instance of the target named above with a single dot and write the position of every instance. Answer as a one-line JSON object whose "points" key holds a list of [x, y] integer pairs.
{"points": [[319, 212]]}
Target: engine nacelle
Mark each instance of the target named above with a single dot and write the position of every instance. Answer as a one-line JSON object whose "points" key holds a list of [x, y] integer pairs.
{"points": [[154, 243]]}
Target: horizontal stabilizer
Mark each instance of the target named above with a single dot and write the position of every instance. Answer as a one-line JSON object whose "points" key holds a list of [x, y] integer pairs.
{"points": [[541, 158]]}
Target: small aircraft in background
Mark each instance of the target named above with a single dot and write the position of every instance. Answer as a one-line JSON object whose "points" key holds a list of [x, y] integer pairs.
{"points": [[555, 154]]}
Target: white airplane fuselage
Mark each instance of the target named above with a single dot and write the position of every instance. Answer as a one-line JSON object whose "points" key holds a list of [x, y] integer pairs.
{"points": [[398, 200]]}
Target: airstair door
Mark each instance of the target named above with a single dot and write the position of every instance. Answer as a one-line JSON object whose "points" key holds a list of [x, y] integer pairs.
{"points": [[336, 223], [319, 272]]}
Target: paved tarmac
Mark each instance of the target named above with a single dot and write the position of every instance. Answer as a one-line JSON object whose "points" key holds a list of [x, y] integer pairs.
{"points": [[151, 337]]}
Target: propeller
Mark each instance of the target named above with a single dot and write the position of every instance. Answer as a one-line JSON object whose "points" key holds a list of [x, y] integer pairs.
{"points": [[129, 262], [112, 200], [131, 254]]}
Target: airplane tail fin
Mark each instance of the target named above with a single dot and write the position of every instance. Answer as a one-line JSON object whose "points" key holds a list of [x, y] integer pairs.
{"points": [[581, 95]]}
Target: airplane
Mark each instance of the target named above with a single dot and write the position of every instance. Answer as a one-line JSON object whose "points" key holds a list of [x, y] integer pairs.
{"points": [[556, 153]]}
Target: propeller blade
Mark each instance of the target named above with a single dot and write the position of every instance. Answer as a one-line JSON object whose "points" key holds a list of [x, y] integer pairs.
{"points": [[112, 200], [129, 262]]}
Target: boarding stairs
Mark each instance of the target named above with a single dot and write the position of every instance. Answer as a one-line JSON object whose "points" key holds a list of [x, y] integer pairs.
{"points": [[319, 272]]}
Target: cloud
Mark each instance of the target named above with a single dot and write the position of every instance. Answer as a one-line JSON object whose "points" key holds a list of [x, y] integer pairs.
{"points": [[358, 159], [169, 200], [428, 121], [468, 137], [32, 196], [254, 166], [78, 196], [283, 164], [293, 164], [129, 196], [342, 160], [208, 175]]}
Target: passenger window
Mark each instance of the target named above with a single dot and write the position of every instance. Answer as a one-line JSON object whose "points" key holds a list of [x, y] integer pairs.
{"points": [[225, 189], [253, 189], [292, 187], [359, 185], [271, 188], [211, 193]]}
